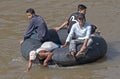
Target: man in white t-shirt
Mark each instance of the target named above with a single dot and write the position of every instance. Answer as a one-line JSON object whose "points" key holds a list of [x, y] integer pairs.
{"points": [[43, 52]]}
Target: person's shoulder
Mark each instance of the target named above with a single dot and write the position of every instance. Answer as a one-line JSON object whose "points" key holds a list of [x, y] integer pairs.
{"points": [[34, 18], [75, 13], [38, 18], [87, 24], [76, 24]]}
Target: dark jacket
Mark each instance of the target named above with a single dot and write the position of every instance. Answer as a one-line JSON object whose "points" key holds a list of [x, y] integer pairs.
{"points": [[37, 29], [72, 20]]}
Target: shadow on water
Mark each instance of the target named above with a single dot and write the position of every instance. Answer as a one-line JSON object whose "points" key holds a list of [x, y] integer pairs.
{"points": [[112, 52], [113, 49]]}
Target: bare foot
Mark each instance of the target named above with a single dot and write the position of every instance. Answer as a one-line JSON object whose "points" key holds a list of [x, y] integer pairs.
{"points": [[71, 54], [80, 53]]}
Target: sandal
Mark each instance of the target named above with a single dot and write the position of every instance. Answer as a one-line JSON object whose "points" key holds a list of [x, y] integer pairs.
{"points": [[81, 53]]}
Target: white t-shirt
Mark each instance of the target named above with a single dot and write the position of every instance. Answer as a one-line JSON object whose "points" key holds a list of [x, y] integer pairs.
{"points": [[80, 33], [47, 46]]}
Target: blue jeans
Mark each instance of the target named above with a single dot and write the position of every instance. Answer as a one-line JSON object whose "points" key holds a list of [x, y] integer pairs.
{"points": [[73, 43]]}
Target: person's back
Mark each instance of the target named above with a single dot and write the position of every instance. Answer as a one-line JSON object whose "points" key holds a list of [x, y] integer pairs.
{"points": [[37, 28], [72, 20], [40, 30], [73, 17], [43, 52]]}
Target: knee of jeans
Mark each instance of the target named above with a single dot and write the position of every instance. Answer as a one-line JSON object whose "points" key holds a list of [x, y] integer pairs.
{"points": [[72, 41], [90, 41]]}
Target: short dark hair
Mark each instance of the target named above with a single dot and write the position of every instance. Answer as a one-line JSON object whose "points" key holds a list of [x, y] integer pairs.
{"points": [[81, 16], [30, 10], [81, 7]]}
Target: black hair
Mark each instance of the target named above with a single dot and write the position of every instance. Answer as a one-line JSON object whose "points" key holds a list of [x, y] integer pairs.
{"points": [[30, 10], [81, 7], [93, 29], [81, 16]]}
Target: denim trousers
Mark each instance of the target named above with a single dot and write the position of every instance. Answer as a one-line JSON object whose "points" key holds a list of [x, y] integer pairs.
{"points": [[75, 42]]}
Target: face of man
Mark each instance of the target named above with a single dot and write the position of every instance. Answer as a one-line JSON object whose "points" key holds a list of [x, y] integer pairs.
{"points": [[29, 15], [83, 11], [81, 22]]}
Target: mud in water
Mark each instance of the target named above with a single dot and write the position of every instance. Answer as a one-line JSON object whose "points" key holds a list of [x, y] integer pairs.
{"points": [[105, 14]]}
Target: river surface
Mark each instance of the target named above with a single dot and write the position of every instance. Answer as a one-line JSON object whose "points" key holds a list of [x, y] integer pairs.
{"points": [[105, 14]]}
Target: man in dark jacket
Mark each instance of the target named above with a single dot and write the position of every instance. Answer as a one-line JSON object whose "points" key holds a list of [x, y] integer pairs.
{"points": [[73, 18], [37, 28]]}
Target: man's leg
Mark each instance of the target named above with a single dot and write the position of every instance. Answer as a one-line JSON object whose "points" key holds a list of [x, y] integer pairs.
{"points": [[72, 47], [90, 41]]}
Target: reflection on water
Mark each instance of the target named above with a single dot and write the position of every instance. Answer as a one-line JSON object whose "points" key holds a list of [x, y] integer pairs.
{"points": [[13, 22]]}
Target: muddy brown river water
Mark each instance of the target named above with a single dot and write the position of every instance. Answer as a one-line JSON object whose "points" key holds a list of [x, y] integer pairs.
{"points": [[13, 22]]}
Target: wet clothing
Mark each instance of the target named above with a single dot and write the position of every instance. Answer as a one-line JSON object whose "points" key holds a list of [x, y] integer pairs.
{"points": [[72, 20], [37, 29]]}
